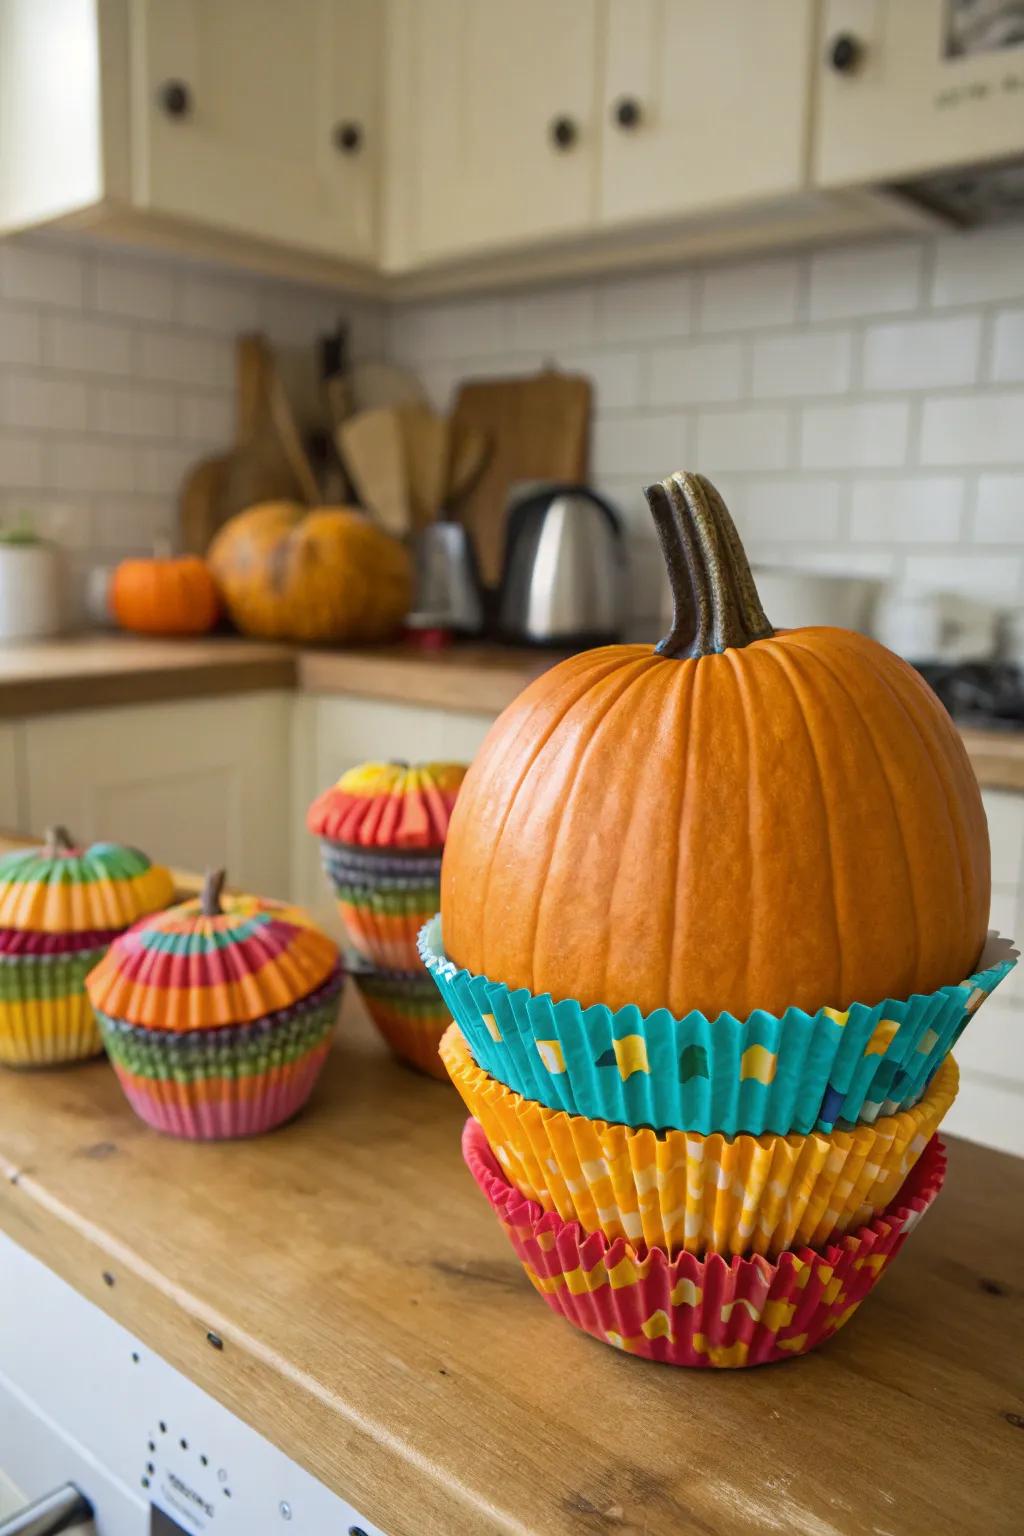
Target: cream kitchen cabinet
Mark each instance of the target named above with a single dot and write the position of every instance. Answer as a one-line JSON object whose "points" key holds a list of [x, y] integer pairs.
{"points": [[703, 106], [195, 784], [493, 113], [906, 87], [256, 122]]}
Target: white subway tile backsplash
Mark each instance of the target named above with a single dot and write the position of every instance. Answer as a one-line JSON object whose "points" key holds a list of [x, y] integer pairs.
{"points": [[558, 317], [1005, 812], [218, 304], [42, 403], [21, 459], [160, 471], [977, 267], [134, 524], [927, 509], [746, 297], [137, 290], [134, 410], [89, 464], [650, 445], [865, 280], [648, 307], [785, 511], [991, 578], [810, 363], [999, 514], [615, 376], [435, 332], [208, 419], [83, 345], [866, 436], [33, 273], [742, 440], [68, 522], [1008, 347], [922, 354], [20, 335], [974, 429], [696, 373], [177, 357]]}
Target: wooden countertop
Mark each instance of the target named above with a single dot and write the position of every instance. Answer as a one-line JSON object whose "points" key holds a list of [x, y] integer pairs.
{"points": [[94, 671], [377, 1327]]}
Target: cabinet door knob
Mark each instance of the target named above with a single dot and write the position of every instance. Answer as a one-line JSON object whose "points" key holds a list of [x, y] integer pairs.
{"points": [[348, 137], [175, 98], [845, 53], [563, 132], [626, 112]]}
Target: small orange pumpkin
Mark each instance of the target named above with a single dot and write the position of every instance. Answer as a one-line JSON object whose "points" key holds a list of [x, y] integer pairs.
{"points": [[173, 596], [738, 819], [287, 573]]}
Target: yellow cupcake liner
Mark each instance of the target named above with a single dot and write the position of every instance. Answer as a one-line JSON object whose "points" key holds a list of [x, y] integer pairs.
{"points": [[48, 1032], [684, 1192]]}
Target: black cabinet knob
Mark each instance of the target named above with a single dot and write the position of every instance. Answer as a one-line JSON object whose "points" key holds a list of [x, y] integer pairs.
{"points": [[563, 133], [348, 137], [845, 53], [176, 98], [626, 112]]}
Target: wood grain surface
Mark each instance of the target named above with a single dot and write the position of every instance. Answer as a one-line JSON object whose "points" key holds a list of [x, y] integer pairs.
{"points": [[377, 1327]]}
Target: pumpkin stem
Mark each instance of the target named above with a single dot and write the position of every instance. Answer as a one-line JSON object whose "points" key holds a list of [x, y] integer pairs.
{"points": [[57, 840], [213, 885], [715, 605]]}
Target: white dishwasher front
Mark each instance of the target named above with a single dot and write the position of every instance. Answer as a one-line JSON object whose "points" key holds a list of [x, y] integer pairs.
{"points": [[83, 1402]]}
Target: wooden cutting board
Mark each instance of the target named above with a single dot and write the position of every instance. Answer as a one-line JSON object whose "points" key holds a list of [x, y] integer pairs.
{"points": [[538, 429]]}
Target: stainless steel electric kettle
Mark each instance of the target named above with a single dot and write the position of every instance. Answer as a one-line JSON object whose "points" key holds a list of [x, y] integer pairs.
{"points": [[564, 577]]}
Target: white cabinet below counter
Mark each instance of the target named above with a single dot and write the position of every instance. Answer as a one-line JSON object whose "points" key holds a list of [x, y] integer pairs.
{"points": [[197, 784]]}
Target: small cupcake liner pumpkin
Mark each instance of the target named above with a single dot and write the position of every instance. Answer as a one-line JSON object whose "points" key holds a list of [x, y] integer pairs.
{"points": [[218, 1014], [60, 908], [408, 1013], [798, 1072], [711, 1312], [684, 1192], [382, 829]]}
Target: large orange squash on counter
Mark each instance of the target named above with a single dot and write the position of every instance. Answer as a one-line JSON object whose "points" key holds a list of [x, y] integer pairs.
{"points": [[287, 573], [738, 819]]}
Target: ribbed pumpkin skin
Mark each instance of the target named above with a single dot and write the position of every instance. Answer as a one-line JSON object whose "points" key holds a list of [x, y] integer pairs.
{"points": [[793, 822], [290, 574], [164, 597]]}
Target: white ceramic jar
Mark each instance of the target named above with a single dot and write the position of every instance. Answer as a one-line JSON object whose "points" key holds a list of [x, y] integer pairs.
{"points": [[30, 588]]}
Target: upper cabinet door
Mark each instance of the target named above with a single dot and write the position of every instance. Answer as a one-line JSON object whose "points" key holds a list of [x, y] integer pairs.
{"points": [[910, 86], [704, 104], [261, 117], [494, 107]]}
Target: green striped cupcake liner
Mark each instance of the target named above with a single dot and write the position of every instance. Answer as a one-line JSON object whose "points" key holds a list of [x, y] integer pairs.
{"points": [[794, 1072], [46, 977]]}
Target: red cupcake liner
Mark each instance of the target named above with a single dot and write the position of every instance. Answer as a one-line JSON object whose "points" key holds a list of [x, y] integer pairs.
{"points": [[700, 1312]]}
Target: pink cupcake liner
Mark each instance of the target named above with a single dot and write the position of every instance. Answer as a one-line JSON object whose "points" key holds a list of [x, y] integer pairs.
{"points": [[708, 1312], [242, 1106]]}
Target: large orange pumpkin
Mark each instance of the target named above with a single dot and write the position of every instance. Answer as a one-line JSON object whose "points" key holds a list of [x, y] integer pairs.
{"points": [[164, 596], [290, 574], [738, 819]]}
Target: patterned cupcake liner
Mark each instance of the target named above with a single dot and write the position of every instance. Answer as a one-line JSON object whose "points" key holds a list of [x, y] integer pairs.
{"points": [[688, 1311], [236, 1080], [686, 1192], [45, 1017], [409, 1015], [798, 1072], [365, 866]]}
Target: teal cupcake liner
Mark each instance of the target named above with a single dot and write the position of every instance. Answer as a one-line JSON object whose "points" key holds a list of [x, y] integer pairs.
{"points": [[796, 1072]]}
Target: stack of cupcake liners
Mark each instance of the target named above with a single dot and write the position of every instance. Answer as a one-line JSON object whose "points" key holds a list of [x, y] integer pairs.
{"points": [[704, 1192], [61, 907], [381, 830], [218, 1014]]}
